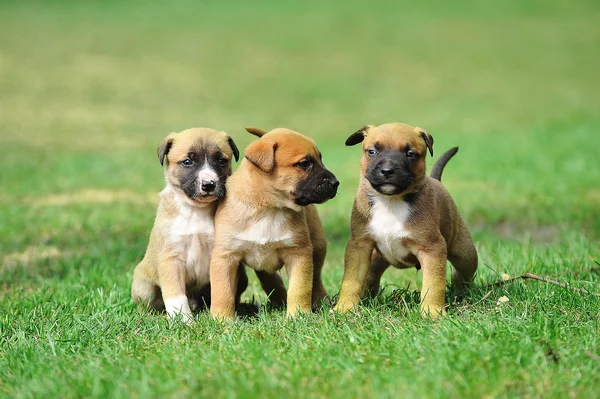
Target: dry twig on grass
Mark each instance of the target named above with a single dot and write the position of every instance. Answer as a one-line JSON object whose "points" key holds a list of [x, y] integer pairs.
{"points": [[532, 276], [592, 355]]}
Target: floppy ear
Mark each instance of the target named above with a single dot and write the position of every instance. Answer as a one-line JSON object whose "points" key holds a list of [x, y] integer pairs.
{"points": [[236, 152], [358, 136], [164, 147], [428, 139], [261, 154], [256, 131]]}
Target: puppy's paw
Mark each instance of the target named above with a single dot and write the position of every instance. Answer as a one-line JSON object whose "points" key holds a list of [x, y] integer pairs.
{"points": [[223, 317], [321, 300], [194, 304], [298, 311], [344, 305], [178, 308], [432, 311], [184, 317]]}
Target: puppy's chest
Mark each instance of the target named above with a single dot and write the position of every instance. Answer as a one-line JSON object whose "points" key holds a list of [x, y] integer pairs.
{"points": [[261, 241], [388, 227], [192, 237]]}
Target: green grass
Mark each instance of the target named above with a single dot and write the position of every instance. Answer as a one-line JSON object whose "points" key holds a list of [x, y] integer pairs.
{"points": [[88, 90]]}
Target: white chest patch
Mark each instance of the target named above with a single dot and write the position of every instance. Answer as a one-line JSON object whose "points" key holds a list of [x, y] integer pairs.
{"points": [[262, 238], [270, 228], [192, 235], [388, 226]]}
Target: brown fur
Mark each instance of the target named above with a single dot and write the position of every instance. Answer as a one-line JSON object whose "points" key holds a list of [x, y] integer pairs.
{"points": [[436, 232], [260, 193]]}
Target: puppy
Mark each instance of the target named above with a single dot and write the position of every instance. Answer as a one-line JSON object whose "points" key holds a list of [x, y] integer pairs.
{"points": [[174, 272], [268, 219], [408, 217]]}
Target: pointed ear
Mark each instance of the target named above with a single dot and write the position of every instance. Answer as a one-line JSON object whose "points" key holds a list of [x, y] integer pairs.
{"points": [[256, 131], [358, 136], [164, 147], [234, 149], [261, 154], [427, 138]]}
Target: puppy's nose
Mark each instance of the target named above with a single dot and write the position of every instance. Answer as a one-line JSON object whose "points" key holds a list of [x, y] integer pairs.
{"points": [[208, 185], [386, 171], [334, 182]]}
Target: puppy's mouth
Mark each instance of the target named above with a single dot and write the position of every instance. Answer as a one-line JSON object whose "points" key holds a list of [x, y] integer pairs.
{"points": [[204, 198], [387, 189], [305, 200]]}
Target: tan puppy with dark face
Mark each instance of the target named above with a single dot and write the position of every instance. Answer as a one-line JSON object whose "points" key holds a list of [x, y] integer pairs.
{"points": [[174, 273], [268, 220], [407, 217]]}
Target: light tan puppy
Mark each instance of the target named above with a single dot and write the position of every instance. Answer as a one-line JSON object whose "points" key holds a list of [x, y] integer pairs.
{"points": [[407, 217], [174, 272], [268, 220]]}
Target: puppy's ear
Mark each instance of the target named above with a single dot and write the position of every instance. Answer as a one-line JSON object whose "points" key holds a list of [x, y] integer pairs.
{"points": [[427, 138], [164, 147], [261, 154], [256, 131], [234, 149], [358, 136]]}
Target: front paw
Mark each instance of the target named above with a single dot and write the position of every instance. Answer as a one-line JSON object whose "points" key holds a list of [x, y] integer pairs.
{"points": [[222, 316], [432, 311], [295, 311], [346, 304], [186, 318], [320, 298], [178, 308]]}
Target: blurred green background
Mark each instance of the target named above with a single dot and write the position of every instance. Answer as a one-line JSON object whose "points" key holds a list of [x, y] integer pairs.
{"points": [[89, 89]]}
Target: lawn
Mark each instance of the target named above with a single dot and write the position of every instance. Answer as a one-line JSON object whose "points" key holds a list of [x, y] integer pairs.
{"points": [[89, 89]]}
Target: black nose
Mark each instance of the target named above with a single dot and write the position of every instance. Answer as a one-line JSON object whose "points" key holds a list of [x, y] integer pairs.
{"points": [[386, 171], [208, 185], [334, 182]]}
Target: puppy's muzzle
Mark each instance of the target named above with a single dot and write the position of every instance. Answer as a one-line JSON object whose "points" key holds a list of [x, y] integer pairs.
{"points": [[319, 187], [204, 186], [329, 187], [389, 175]]}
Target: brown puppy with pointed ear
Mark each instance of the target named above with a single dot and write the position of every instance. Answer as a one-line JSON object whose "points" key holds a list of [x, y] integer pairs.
{"points": [[407, 217], [174, 274], [268, 219]]}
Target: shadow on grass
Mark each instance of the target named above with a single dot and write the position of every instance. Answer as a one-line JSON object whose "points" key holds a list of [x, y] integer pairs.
{"points": [[400, 299]]}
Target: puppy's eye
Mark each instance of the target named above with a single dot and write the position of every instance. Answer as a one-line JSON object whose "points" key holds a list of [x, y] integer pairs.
{"points": [[222, 161], [372, 151], [411, 154], [304, 164], [187, 162]]}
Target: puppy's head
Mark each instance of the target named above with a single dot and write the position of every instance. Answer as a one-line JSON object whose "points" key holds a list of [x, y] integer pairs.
{"points": [[394, 155], [198, 162], [292, 167]]}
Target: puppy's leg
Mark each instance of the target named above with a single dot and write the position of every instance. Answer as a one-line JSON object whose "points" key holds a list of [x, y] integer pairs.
{"points": [[378, 266], [299, 266], [319, 295], [199, 297], [272, 284], [242, 282], [145, 292], [356, 265], [319, 244], [172, 283], [463, 256], [433, 292], [223, 284]]}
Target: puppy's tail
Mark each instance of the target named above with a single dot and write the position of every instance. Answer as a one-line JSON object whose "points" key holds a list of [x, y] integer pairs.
{"points": [[440, 164], [258, 132]]}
